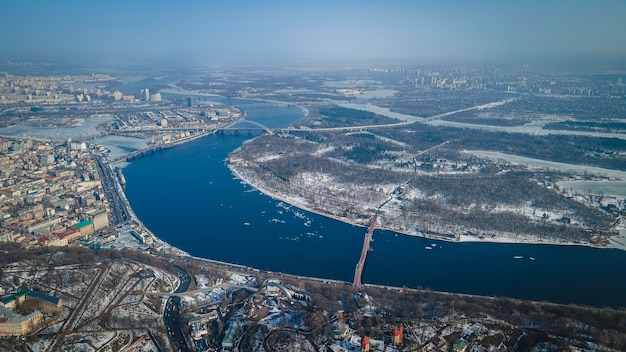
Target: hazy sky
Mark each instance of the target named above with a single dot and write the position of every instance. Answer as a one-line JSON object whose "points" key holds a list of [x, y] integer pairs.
{"points": [[270, 31]]}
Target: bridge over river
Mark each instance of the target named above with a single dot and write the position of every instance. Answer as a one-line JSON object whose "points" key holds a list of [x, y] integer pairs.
{"points": [[358, 271]]}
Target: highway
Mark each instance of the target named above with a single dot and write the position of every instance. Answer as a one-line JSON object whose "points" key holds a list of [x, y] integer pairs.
{"points": [[208, 129], [171, 314], [119, 210]]}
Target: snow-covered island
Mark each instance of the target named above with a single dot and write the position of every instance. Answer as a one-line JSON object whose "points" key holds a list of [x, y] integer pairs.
{"points": [[426, 181]]}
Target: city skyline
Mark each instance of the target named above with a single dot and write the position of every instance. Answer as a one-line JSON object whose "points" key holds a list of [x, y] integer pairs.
{"points": [[250, 176], [250, 33]]}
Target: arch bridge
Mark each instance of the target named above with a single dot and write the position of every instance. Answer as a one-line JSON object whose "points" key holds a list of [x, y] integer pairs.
{"points": [[278, 285], [258, 126]]}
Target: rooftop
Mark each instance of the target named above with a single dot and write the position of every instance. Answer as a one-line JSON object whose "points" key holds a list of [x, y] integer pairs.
{"points": [[9, 299], [44, 297], [83, 223]]}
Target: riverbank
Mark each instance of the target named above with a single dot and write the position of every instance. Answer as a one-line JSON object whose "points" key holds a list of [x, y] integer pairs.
{"points": [[211, 213], [132, 233], [143, 235], [301, 203], [123, 160]]}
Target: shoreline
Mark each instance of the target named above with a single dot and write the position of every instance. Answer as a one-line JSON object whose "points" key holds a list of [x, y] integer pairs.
{"points": [[458, 238], [455, 238], [135, 221]]}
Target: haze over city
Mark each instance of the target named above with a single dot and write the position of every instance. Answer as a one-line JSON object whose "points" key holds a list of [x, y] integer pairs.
{"points": [[288, 32], [205, 176]]}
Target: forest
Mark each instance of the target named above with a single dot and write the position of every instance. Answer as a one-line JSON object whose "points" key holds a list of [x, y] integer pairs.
{"points": [[590, 126], [438, 190]]}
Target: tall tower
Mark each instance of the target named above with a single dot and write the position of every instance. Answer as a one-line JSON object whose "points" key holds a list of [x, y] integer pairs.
{"points": [[396, 335]]}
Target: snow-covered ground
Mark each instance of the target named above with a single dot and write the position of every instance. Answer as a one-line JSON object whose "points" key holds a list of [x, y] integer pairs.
{"points": [[28, 130], [201, 281], [98, 296], [241, 280], [325, 186], [120, 145], [212, 296]]}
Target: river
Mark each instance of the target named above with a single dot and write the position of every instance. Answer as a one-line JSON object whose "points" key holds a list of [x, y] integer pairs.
{"points": [[187, 196]]}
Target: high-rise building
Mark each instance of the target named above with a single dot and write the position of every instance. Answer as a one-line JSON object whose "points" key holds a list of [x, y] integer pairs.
{"points": [[156, 97], [190, 101], [145, 94], [98, 217]]}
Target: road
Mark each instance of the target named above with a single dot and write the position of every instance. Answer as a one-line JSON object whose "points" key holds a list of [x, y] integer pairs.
{"points": [[112, 189], [413, 120], [69, 324], [171, 315]]}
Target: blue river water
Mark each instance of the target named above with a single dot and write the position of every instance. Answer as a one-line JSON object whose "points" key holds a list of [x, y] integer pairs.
{"points": [[187, 196]]}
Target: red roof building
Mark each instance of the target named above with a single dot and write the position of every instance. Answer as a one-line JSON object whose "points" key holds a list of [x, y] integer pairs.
{"points": [[365, 344], [69, 234], [396, 335], [43, 239]]}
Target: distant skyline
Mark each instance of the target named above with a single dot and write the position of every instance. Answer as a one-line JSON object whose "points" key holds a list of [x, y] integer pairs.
{"points": [[249, 32]]}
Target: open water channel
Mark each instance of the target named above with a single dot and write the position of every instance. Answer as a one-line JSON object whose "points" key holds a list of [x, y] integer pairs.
{"points": [[187, 196]]}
